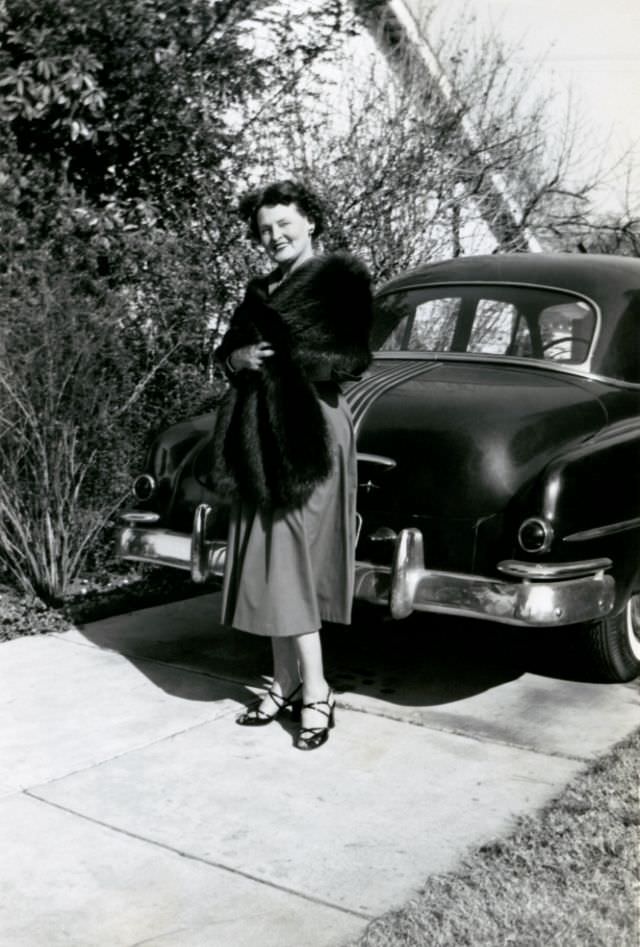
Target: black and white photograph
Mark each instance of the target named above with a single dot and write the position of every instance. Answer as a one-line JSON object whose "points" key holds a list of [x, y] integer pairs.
{"points": [[319, 473]]}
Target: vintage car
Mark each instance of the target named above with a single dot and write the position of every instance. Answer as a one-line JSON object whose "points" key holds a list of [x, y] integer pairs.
{"points": [[498, 435]]}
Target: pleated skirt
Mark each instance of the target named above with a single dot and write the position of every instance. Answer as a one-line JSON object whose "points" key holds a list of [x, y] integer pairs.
{"points": [[287, 572]]}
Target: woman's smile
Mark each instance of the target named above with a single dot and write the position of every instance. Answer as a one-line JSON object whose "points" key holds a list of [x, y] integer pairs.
{"points": [[286, 234]]}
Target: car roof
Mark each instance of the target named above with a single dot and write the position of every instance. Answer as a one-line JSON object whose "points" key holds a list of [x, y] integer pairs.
{"points": [[602, 278]]}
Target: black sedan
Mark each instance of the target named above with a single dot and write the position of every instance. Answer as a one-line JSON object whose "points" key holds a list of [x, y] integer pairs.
{"points": [[499, 449]]}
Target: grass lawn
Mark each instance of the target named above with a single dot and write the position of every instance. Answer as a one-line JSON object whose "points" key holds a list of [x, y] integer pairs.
{"points": [[568, 877]]}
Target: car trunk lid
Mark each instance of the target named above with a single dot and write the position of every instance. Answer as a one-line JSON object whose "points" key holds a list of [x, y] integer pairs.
{"points": [[465, 436]]}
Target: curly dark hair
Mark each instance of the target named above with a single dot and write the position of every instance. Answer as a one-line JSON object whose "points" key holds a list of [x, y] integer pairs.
{"points": [[282, 192]]}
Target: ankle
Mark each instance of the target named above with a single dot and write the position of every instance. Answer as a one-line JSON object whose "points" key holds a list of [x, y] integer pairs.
{"points": [[316, 693], [285, 686]]}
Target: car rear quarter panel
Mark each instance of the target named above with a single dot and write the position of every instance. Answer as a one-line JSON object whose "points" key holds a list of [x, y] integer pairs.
{"points": [[466, 437], [591, 496]]}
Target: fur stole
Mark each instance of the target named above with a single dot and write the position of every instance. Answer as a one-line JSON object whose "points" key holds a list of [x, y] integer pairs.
{"points": [[271, 446]]}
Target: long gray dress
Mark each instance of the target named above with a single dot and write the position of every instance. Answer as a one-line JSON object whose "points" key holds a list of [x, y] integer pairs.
{"points": [[287, 572]]}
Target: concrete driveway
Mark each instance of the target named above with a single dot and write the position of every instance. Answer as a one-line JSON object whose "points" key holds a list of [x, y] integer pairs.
{"points": [[133, 810]]}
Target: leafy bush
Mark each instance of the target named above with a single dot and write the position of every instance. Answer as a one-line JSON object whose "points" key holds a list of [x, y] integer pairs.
{"points": [[90, 365]]}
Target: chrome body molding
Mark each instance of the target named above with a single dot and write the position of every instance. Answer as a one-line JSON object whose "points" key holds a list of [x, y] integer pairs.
{"points": [[579, 371], [378, 462], [362, 394], [600, 531], [584, 594], [388, 463], [541, 571]]}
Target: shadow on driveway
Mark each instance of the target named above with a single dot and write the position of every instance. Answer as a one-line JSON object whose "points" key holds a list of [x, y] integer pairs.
{"points": [[424, 660]]}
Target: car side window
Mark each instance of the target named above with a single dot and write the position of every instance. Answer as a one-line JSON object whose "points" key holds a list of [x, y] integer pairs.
{"points": [[622, 359], [499, 329], [433, 325], [503, 321], [566, 330]]}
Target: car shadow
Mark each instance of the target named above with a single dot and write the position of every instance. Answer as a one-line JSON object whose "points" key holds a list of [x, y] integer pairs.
{"points": [[422, 661]]}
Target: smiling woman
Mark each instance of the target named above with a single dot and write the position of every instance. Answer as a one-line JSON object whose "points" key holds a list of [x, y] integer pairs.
{"points": [[284, 452]]}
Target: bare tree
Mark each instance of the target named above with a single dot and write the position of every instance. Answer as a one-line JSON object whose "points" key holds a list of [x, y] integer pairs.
{"points": [[616, 230], [424, 149]]}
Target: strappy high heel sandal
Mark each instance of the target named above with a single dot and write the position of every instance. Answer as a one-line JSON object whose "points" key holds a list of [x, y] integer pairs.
{"points": [[310, 738], [254, 717]]}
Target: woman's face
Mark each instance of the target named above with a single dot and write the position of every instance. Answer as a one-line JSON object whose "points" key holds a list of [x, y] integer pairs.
{"points": [[286, 234]]}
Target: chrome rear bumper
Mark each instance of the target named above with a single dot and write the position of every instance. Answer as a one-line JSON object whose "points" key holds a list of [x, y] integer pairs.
{"points": [[203, 558], [542, 595]]}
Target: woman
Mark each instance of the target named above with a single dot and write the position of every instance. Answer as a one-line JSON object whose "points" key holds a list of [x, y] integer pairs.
{"points": [[285, 450]]}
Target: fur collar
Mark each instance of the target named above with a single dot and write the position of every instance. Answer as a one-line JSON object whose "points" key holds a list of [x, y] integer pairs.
{"points": [[320, 316], [271, 440]]}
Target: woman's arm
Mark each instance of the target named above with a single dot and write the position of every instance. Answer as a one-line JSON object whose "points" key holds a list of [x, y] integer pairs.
{"points": [[242, 346]]}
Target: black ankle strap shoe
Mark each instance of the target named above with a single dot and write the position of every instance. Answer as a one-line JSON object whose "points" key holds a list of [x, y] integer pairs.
{"points": [[310, 738], [255, 717]]}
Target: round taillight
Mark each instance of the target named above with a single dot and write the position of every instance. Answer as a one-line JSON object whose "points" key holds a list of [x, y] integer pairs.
{"points": [[144, 487], [535, 535]]}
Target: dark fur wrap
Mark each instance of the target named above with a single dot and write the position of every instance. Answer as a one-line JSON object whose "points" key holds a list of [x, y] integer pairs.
{"points": [[271, 446]]}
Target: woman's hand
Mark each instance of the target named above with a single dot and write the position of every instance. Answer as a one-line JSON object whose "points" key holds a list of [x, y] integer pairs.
{"points": [[250, 356]]}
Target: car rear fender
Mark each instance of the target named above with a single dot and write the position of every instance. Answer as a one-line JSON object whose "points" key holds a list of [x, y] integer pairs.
{"points": [[168, 452], [590, 496]]}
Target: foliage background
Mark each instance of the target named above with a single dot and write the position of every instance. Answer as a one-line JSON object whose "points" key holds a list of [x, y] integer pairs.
{"points": [[129, 132]]}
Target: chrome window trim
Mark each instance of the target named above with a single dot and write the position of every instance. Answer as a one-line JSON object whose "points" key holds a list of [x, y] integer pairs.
{"points": [[585, 365]]}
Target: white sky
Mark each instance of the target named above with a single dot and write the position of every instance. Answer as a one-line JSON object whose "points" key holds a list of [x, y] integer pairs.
{"points": [[590, 46]]}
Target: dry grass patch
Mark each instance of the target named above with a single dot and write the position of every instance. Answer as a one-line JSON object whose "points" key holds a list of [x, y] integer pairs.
{"points": [[567, 877]]}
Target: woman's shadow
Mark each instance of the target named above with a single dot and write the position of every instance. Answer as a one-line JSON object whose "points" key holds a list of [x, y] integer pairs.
{"points": [[182, 648]]}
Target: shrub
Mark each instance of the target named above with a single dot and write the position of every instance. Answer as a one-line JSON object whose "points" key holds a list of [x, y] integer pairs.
{"points": [[90, 365]]}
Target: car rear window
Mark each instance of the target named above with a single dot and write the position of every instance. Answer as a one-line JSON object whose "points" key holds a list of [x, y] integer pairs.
{"points": [[516, 321]]}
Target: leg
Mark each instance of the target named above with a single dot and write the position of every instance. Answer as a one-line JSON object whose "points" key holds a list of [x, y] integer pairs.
{"points": [[286, 685], [315, 720], [286, 670], [297, 666], [296, 659], [286, 673], [308, 649]]}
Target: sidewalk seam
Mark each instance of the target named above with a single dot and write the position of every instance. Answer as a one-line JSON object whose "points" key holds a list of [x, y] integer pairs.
{"points": [[196, 858], [131, 749], [478, 738]]}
